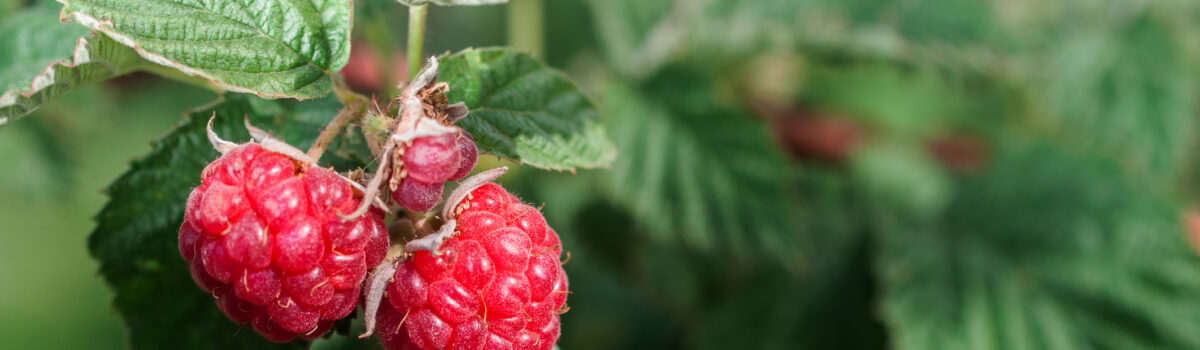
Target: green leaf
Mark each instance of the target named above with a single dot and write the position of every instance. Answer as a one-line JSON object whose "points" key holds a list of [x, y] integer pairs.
{"points": [[700, 172], [44, 59], [270, 48], [452, 2], [525, 111], [637, 36], [640, 37], [1047, 250], [1128, 91], [136, 235]]}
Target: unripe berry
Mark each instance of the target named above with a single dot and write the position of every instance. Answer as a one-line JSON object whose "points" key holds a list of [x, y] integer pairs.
{"points": [[261, 234], [497, 283], [468, 155], [417, 195], [430, 161], [432, 158]]}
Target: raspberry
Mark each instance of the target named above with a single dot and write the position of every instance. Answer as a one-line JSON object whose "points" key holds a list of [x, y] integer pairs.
{"points": [[263, 237], [497, 283], [430, 161]]}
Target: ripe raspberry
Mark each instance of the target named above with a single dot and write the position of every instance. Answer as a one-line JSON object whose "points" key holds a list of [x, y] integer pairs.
{"points": [[430, 161], [497, 283], [263, 237]]}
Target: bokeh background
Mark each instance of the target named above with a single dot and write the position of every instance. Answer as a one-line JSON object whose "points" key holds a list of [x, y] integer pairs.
{"points": [[823, 174]]}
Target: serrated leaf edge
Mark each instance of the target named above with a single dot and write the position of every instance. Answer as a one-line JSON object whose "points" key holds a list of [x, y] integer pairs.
{"points": [[105, 26], [45, 78]]}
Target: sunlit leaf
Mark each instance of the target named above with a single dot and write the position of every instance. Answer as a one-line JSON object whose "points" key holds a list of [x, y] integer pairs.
{"points": [[270, 48]]}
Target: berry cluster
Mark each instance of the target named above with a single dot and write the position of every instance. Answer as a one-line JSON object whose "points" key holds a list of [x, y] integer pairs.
{"points": [[496, 284], [428, 162], [262, 236]]}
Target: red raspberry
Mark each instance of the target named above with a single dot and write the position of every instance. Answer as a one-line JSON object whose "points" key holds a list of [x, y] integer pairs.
{"points": [[497, 283], [430, 161], [263, 237]]}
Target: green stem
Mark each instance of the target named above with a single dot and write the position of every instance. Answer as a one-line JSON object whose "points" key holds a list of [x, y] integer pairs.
{"points": [[525, 26], [416, 38], [354, 105]]}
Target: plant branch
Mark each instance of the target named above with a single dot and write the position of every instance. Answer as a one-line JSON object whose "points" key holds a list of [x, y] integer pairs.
{"points": [[416, 38], [354, 106]]}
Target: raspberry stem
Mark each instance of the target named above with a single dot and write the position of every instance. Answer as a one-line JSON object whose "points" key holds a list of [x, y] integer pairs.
{"points": [[354, 106]]}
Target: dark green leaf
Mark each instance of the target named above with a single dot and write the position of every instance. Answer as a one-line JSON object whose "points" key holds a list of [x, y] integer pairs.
{"points": [[704, 173], [1047, 250], [43, 59], [135, 239], [525, 111], [270, 48]]}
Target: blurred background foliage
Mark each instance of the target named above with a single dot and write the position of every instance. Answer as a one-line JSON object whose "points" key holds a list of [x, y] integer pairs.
{"points": [[824, 174]]}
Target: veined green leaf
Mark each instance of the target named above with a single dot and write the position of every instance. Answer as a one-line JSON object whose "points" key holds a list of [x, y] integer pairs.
{"points": [[1047, 250], [43, 59], [270, 48], [525, 111], [136, 235], [1128, 90], [700, 172]]}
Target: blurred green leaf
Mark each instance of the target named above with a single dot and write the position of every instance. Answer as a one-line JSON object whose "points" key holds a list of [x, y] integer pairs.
{"points": [[636, 36], [1125, 88], [40, 164], [43, 59], [452, 2], [906, 102], [273, 49], [1046, 250], [695, 170], [640, 37], [525, 111], [135, 239], [898, 176]]}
